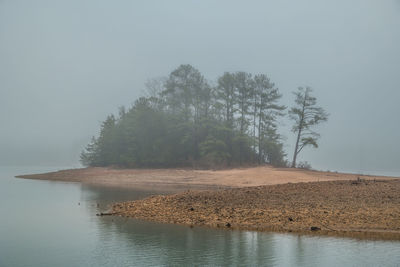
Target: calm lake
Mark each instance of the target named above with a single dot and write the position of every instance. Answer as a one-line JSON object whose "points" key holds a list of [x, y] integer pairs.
{"points": [[46, 223]]}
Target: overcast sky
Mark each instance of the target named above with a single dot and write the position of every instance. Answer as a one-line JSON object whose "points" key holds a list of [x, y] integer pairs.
{"points": [[65, 65]]}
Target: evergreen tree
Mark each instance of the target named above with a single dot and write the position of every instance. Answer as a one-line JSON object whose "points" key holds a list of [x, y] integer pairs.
{"points": [[268, 113], [188, 95], [186, 122], [90, 153], [227, 101], [244, 87], [306, 114]]}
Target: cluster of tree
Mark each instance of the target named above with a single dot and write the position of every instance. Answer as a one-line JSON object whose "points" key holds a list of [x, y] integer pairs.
{"points": [[186, 122]]}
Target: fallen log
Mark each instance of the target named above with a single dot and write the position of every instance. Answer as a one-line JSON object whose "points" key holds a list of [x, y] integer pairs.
{"points": [[105, 213]]}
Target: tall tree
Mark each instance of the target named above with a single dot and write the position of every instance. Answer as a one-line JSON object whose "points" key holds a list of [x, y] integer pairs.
{"points": [[183, 90], [226, 99], [305, 114], [244, 88], [255, 105], [268, 113], [185, 122], [187, 94], [226, 96]]}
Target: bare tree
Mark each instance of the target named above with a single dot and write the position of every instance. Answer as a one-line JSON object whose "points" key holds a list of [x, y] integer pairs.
{"points": [[154, 87]]}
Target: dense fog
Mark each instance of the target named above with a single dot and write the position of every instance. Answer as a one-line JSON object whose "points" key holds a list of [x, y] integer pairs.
{"points": [[66, 65]]}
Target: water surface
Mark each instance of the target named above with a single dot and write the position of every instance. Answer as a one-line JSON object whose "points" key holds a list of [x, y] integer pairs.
{"points": [[46, 223]]}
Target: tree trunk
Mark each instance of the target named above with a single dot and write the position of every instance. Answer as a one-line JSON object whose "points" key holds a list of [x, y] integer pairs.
{"points": [[298, 135], [241, 132], [259, 137], [296, 148], [254, 130]]}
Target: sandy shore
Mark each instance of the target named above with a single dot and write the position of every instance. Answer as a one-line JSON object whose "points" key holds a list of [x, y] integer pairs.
{"points": [[366, 209], [183, 179]]}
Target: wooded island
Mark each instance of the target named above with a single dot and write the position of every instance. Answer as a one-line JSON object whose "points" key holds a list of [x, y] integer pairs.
{"points": [[184, 121]]}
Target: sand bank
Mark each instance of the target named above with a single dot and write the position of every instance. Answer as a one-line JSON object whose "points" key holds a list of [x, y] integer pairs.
{"points": [[183, 179], [368, 209]]}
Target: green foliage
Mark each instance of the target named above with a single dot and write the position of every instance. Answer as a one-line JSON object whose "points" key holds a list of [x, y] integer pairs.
{"points": [[273, 153], [101, 151], [186, 122], [89, 154], [266, 104], [214, 152], [305, 114]]}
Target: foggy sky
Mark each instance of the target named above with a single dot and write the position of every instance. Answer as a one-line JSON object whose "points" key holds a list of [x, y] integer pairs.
{"points": [[65, 65]]}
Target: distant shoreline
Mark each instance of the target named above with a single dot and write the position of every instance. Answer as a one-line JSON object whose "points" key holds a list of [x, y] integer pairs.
{"points": [[288, 200]]}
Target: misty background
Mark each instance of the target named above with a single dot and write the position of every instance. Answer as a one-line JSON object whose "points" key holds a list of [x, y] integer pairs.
{"points": [[66, 65]]}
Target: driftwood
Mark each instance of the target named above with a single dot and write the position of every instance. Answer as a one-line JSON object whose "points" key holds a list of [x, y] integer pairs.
{"points": [[105, 213]]}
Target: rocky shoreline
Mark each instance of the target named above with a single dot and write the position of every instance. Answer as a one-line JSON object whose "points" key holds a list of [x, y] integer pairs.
{"points": [[355, 208]]}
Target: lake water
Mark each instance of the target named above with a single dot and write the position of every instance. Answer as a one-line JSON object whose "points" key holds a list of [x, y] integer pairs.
{"points": [[46, 223]]}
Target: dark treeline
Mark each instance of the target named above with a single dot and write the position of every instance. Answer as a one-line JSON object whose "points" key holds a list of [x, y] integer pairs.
{"points": [[187, 122]]}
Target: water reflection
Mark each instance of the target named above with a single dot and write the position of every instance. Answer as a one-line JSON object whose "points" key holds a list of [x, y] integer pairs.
{"points": [[170, 244], [55, 224], [181, 245]]}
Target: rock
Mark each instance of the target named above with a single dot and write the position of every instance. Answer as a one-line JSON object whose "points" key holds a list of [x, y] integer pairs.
{"points": [[315, 228]]}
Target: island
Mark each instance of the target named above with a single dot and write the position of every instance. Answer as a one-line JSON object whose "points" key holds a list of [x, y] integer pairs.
{"points": [[214, 153]]}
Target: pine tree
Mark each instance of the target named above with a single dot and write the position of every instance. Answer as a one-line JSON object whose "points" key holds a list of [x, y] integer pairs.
{"points": [[186, 122], [268, 113], [306, 114], [244, 87]]}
